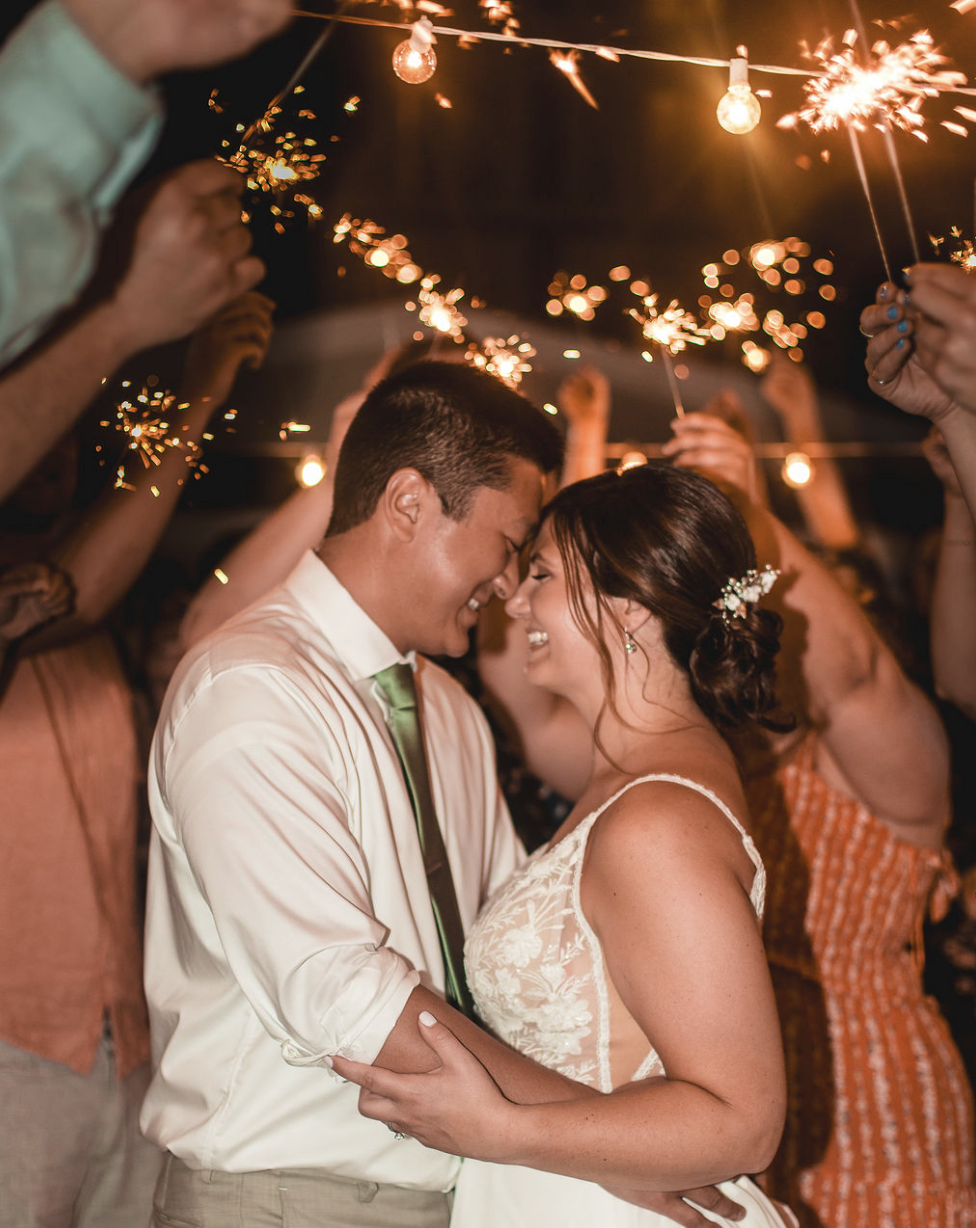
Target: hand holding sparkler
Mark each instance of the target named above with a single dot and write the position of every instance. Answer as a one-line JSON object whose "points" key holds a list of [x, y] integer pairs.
{"points": [[30, 595], [584, 399], [238, 335], [190, 256], [917, 358], [710, 446], [895, 370], [146, 38], [943, 302]]}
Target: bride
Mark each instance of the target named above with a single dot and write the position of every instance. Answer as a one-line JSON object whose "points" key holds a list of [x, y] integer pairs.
{"points": [[626, 954]]}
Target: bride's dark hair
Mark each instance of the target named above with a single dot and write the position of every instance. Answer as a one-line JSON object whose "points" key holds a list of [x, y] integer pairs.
{"points": [[670, 540]]}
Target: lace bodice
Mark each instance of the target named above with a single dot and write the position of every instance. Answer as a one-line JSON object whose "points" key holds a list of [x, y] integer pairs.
{"points": [[536, 970]]}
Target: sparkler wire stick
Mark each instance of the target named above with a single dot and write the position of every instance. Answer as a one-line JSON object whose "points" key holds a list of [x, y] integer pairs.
{"points": [[906, 211], [679, 408], [893, 159], [306, 62], [863, 176]]}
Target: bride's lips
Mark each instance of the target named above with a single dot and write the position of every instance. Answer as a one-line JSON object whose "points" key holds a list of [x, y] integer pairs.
{"points": [[537, 639]]}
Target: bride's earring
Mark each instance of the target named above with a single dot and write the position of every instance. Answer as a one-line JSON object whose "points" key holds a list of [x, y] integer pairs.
{"points": [[629, 645]]}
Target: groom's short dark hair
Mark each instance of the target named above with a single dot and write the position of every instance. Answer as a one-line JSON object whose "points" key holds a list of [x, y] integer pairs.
{"points": [[455, 425]]}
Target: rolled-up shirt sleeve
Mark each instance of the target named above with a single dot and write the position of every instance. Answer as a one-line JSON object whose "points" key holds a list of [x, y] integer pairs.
{"points": [[257, 788], [73, 133]]}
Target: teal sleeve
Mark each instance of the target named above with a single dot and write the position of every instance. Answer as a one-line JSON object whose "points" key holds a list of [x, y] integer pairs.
{"points": [[73, 133]]}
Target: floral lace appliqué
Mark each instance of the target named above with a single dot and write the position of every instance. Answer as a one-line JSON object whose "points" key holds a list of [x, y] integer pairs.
{"points": [[535, 967]]}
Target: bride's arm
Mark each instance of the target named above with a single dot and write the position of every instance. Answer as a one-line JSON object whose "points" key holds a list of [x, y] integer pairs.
{"points": [[683, 950]]}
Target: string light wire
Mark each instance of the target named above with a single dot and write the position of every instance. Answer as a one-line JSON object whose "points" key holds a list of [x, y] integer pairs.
{"points": [[599, 49]]}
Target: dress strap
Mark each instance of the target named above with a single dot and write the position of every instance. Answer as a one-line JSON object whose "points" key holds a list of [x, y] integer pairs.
{"points": [[669, 778]]}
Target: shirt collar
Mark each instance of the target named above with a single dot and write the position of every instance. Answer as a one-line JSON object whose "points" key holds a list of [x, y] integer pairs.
{"points": [[362, 647]]}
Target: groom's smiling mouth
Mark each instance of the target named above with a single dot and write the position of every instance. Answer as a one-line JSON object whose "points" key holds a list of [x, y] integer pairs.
{"points": [[537, 639]]}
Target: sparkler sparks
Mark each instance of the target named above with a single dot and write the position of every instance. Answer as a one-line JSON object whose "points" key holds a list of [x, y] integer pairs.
{"points": [[889, 89], [291, 161], [499, 13], [574, 295], [568, 63], [673, 329], [388, 253], [439, 311], [149, 432], [962, 252], [782, 266], [505, 358]]}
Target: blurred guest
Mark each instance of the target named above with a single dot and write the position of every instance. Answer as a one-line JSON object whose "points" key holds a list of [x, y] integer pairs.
{"points": [[78, 117], [908, 358], [188, 259], [74, 1042], [850, 815]]}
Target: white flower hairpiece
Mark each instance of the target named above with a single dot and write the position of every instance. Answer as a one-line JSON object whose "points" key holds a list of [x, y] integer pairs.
{"points": [[738, 595]]}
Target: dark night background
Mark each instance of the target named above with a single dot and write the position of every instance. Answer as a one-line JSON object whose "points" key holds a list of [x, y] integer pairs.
{"points": [[521, 178]]}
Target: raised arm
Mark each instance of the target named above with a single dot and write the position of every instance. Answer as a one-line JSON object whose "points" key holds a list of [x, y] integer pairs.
{"points": [[584, 399], [951, 618], [271, 551], [108, 549], [922, 363], [77, 121], [190, 256], [789, 388], [884, 738]]}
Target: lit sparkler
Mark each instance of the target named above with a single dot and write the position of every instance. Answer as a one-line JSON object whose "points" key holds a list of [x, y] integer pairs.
{"points": [[962, 252], [672, 331], [291, 161], [568, 63], [574, 295], [780, 266], [505, 358], [378, 250], [499, 13], [439, 311], [150, 434], [888, 89]]}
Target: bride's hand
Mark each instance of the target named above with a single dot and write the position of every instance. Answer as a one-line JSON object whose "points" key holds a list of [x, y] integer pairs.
{"points": [[457, 1107], [675, 1208]]}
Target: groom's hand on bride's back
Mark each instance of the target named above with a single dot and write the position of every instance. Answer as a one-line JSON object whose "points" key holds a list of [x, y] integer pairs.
{"points": [[675, 1207]]}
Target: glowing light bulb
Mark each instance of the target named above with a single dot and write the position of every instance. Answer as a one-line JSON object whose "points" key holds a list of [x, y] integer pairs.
{"points": [[738, 110], [797, 470], [414, 60], [310, 471]]}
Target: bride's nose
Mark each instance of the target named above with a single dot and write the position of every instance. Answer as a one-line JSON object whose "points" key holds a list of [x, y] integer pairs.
{"points": [[517, 606]]}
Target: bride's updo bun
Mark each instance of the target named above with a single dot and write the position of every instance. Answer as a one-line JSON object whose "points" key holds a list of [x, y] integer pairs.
{"points": [[670, 540]]}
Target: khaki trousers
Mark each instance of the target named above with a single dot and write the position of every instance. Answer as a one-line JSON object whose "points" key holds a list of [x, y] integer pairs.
{"points": [[289, 1198]]}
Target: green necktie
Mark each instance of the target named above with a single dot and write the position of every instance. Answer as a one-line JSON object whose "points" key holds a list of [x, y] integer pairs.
{"points": [[397, 684]]}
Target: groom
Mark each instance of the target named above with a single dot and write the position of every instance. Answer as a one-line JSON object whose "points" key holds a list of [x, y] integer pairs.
{"points": [[298, 904]]}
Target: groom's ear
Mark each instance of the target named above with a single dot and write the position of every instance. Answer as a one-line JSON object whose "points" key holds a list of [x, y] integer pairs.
{"points": [[403, 502]]}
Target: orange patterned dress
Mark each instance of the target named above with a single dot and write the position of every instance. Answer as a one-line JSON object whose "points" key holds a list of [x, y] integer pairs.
{"points": [[879, 1131]]}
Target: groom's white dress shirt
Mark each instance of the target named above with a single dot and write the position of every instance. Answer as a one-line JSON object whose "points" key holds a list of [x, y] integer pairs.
{"points": [[288, 916]]}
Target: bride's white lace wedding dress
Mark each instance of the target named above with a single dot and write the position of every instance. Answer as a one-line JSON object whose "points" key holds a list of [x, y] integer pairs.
{"points": [[536, 970]]}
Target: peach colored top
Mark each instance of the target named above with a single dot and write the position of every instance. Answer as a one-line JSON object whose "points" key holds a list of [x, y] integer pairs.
{"points": [[880, 1120], [70, 948]]}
